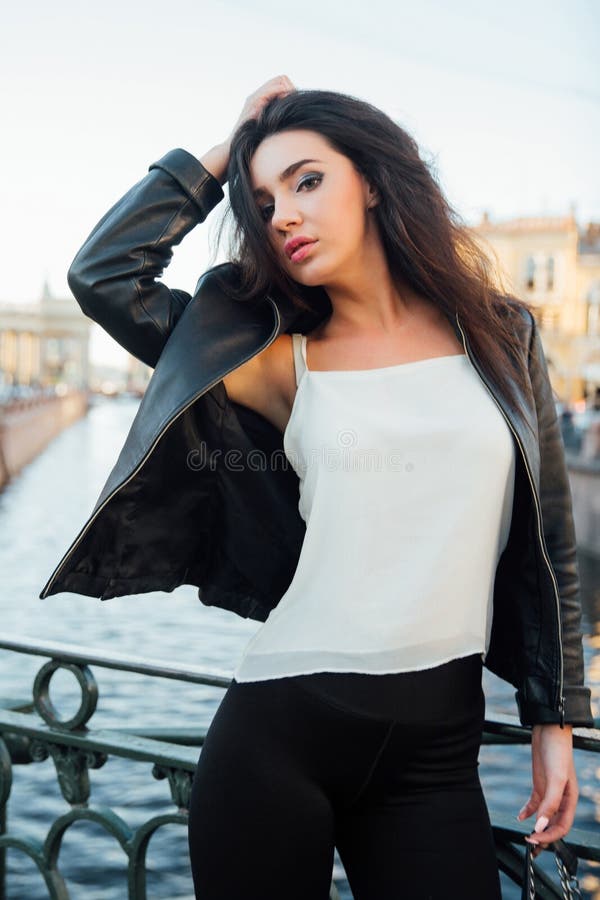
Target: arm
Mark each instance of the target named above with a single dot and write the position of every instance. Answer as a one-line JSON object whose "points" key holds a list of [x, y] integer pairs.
{"points": [[555, 790], [560, 539], [114, 275]]}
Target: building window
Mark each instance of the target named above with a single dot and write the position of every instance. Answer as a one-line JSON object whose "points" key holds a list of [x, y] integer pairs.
{"points": [[593, 320], [593, 310], [550, 319], [530, 273], [550, 273]]}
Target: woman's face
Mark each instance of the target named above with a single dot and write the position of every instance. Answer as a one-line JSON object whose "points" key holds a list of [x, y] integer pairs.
{"points": [[324, 200]]}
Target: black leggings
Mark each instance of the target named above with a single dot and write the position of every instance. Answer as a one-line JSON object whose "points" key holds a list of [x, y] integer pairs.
{"points": [[383, 767]]}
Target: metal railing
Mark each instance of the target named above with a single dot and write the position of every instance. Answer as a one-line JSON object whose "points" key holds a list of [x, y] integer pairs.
{"points": [[32, 730]]}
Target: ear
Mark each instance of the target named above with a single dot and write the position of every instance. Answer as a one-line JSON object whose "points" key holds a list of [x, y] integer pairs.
{"points": [[372, 197]]}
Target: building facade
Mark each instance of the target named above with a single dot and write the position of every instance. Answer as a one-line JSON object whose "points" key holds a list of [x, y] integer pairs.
{"points": [[45, 343], [555, 265]]}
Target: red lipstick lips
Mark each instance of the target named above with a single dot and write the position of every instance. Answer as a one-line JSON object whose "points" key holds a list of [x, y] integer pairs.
{"points": [[290, 247]]}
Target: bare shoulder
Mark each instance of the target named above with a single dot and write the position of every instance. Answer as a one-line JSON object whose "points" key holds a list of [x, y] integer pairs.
{"points": [[266, 382]]}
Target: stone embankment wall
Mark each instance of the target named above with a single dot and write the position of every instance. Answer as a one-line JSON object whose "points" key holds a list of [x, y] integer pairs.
{"points": [[27, 426]]}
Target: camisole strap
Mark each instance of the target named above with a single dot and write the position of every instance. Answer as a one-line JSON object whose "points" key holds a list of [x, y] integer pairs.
{"points": [[299, 356], [303, 347]]}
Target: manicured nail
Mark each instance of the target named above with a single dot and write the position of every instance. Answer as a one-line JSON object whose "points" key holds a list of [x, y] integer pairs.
{"points": [[531, 841], [541, 824]]}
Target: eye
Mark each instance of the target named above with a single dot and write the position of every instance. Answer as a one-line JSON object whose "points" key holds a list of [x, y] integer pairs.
{"points": [[314, 180], [264, 212]]}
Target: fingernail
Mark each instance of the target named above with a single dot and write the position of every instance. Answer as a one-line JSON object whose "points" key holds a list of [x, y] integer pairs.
{"points": [[541, 824], [521, 811], [531, 841]]}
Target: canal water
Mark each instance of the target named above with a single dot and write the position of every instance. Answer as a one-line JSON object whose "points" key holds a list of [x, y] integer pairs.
{"points": [[41, 512]]}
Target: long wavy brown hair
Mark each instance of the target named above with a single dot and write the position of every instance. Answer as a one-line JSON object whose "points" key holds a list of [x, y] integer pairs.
{"points": [[426, 242]]}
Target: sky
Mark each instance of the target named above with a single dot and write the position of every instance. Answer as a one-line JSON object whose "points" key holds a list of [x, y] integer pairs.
{"points": [[502, 98]]}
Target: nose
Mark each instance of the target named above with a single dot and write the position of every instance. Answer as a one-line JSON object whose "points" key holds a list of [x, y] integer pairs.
{"points": [[284, 215]]}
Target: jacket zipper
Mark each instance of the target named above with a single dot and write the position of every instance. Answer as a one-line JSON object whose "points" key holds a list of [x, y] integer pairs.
{"points": [[560, 699], [119, 487]]}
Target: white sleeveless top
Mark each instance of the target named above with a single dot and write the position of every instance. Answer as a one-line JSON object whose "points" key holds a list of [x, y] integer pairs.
{"points": [[406, 487]]}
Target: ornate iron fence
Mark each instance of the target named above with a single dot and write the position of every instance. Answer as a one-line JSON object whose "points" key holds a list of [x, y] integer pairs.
{"points": [[32, 730]]}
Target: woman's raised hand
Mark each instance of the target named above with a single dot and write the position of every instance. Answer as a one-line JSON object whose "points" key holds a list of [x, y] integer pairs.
{"points": [[217, 159], [275, 87]]}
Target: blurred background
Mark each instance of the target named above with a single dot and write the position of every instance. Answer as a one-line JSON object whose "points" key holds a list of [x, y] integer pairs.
{"points": [[504, 101]]}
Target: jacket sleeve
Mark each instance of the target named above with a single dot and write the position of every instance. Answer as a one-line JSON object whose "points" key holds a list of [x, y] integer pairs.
{"points": [[114, 275], [560, 540]]}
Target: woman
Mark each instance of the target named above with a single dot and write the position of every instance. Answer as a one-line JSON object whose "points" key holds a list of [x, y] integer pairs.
{"points": [[413, 403]]}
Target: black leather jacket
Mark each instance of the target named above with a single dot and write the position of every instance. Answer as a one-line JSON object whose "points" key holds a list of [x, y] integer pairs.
{"points": [[190, 499]]}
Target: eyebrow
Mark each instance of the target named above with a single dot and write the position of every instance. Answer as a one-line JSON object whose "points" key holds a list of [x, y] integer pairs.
{"points": [[287, 172]]}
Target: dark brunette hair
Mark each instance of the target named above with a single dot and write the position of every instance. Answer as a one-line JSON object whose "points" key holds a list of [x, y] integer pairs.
{"points": [[426, 242]]}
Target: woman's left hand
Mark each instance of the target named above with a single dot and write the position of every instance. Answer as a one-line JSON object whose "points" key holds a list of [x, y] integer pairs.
{"points": [[555, 790]]}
